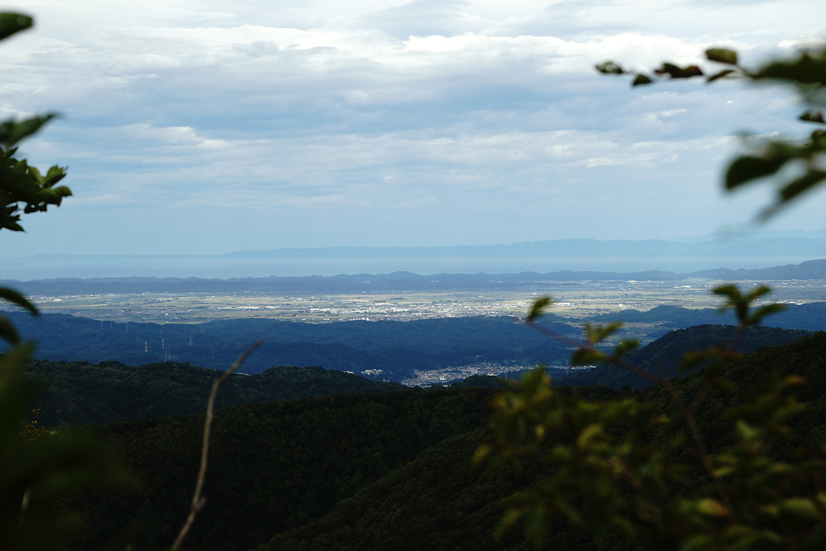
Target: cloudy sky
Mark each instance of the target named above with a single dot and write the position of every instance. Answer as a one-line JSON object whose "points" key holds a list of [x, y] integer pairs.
{"points": [[202, 127]]}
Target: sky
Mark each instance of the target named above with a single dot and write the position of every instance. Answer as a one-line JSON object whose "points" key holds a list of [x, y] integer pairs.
{"points": [[207, 127]]}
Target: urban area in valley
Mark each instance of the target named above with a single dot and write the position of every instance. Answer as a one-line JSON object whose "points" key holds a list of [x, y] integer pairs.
{"points": [[573, 302], [572, 299]]}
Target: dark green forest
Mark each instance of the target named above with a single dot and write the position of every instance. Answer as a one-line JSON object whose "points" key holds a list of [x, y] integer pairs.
{"points": [[664, 355], [79, 393], [387, 471]]}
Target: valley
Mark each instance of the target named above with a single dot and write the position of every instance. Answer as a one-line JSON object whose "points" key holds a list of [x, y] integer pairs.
{"points": [[574, 299]]}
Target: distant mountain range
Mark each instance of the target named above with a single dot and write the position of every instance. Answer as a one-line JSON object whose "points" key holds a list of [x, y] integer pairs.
{"points": [[567, 248], [619, 255], [398, 281]]}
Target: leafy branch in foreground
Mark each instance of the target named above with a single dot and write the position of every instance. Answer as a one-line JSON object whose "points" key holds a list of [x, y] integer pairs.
{"points": [[616, 467], [797, 166], [38, 469]]}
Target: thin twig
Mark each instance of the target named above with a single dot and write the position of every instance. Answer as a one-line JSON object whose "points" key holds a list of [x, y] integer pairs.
{"points": [[197, 500]]}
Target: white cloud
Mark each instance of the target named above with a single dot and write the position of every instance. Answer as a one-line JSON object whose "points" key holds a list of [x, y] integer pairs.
{"points": [[329, 113]]}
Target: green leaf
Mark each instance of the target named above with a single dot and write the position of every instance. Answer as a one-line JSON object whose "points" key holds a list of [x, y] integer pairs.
{"points": [[588, 434], [722, 55], [539, 305], [792, 190], [804, 183], [11, 23], [696, 542], [586, 356], [626, 347], [800, 507], [812, 116], [749, 167], [641, 80], [745, 432], [16, 298], [609, 68], [677, 72], [807, 68], [710, 507], [719, 75], [12, 132], [8, 332], [767, 310]]}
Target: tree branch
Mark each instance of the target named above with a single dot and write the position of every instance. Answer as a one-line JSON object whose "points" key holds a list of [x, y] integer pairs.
{"points": [[198, 500]]}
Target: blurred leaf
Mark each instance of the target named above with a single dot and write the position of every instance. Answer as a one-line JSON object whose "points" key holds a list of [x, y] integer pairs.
{"points": [[609, 68], [719, 75], [800, 507], [804, 183], [11, 23], [8, 332], [807, 68], [595, 334], [585, 356], [749, 167], [757, 292], [625, 347], [12, 132], [16, 298], [767, 310], [538, 306], [587, 434], [641, 80], [711, 507], [722, 55], [677, 72], [812, 116]]}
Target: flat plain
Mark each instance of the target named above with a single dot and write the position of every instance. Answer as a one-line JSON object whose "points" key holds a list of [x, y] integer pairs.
{"points": [[577, 300]]}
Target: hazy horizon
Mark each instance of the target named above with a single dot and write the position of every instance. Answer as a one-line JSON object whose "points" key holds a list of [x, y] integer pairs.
{"points": [[688, 255], [214, 128]]}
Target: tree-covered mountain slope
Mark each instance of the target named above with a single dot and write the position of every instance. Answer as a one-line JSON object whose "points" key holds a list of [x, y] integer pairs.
{"points": [[386, 350], [377, 471], [810, 316], [80, 393], [662, 357], [273, 467], [438, 502]]}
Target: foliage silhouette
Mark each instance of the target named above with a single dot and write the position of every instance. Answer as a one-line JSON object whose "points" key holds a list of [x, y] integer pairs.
{"points": [[610, 466], [37, 470]]}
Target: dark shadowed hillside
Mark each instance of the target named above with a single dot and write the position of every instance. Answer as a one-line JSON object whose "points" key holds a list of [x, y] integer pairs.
{"points": [[663, 356], [79, 393], [438, 499]]}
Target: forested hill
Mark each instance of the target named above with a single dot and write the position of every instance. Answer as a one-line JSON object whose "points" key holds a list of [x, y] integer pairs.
{"points": [[383, 351], [80, 393], [397, 281], [662, 357], [273, 467], [386, 350], [384, 471], [810, 316]]}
